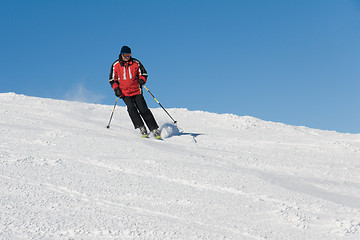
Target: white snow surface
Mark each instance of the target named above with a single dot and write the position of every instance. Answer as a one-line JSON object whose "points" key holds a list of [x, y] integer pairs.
{"points": [[64, 175]]}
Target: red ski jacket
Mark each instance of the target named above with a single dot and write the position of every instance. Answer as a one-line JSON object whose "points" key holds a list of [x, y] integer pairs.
{"points": [[125, 75]]}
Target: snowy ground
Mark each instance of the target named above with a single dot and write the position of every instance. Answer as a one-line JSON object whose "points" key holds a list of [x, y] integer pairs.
{"points": [[63, 175]]}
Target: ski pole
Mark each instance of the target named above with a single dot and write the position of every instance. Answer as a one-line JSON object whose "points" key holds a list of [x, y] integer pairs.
{"points": [[159, 104], [108, 126]]}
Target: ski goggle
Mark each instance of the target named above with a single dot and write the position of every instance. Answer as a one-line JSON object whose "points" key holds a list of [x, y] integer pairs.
{"points": [[126, 54]]}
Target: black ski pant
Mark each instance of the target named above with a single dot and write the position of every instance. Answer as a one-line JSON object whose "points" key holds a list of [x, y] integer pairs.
{"points": [[137, 108]]}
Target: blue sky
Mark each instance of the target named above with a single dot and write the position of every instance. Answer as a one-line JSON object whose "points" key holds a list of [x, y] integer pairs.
{"points": [[295, 62]]}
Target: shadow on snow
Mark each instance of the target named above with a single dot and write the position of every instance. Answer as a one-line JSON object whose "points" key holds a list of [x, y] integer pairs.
{"points": [[169, 130]]}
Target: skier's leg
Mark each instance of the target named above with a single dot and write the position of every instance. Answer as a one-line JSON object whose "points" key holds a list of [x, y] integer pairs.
{"points": [[133, 112], [145, 112]]}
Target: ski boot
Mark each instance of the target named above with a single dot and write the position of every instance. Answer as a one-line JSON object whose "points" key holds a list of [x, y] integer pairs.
{"points": [[143, 131], [157, 134]]}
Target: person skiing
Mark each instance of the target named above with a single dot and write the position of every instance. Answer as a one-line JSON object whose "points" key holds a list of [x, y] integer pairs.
{"points": [[127, 76]]}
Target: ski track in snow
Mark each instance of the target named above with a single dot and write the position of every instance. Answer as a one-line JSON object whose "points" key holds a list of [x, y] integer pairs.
{"points": [[64, 175]]}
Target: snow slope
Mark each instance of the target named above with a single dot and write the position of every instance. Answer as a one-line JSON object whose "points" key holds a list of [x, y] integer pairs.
{"points": [[63, 175]]}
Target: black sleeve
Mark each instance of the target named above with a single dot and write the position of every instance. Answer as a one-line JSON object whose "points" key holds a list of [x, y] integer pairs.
{"points": [[112, 79]]}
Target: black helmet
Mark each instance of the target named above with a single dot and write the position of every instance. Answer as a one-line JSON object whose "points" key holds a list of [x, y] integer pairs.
{"points": [[125, 49]]}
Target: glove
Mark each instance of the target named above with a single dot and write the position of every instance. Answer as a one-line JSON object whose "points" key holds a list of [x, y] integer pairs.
{"points": [[117, 91], [141, 82]]}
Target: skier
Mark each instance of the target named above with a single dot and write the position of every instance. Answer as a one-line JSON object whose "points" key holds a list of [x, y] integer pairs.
{"points": [[127, 75]]}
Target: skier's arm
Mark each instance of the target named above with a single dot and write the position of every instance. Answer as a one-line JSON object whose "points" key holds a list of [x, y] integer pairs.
{"points": [[113, 77], [142, 71]]}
